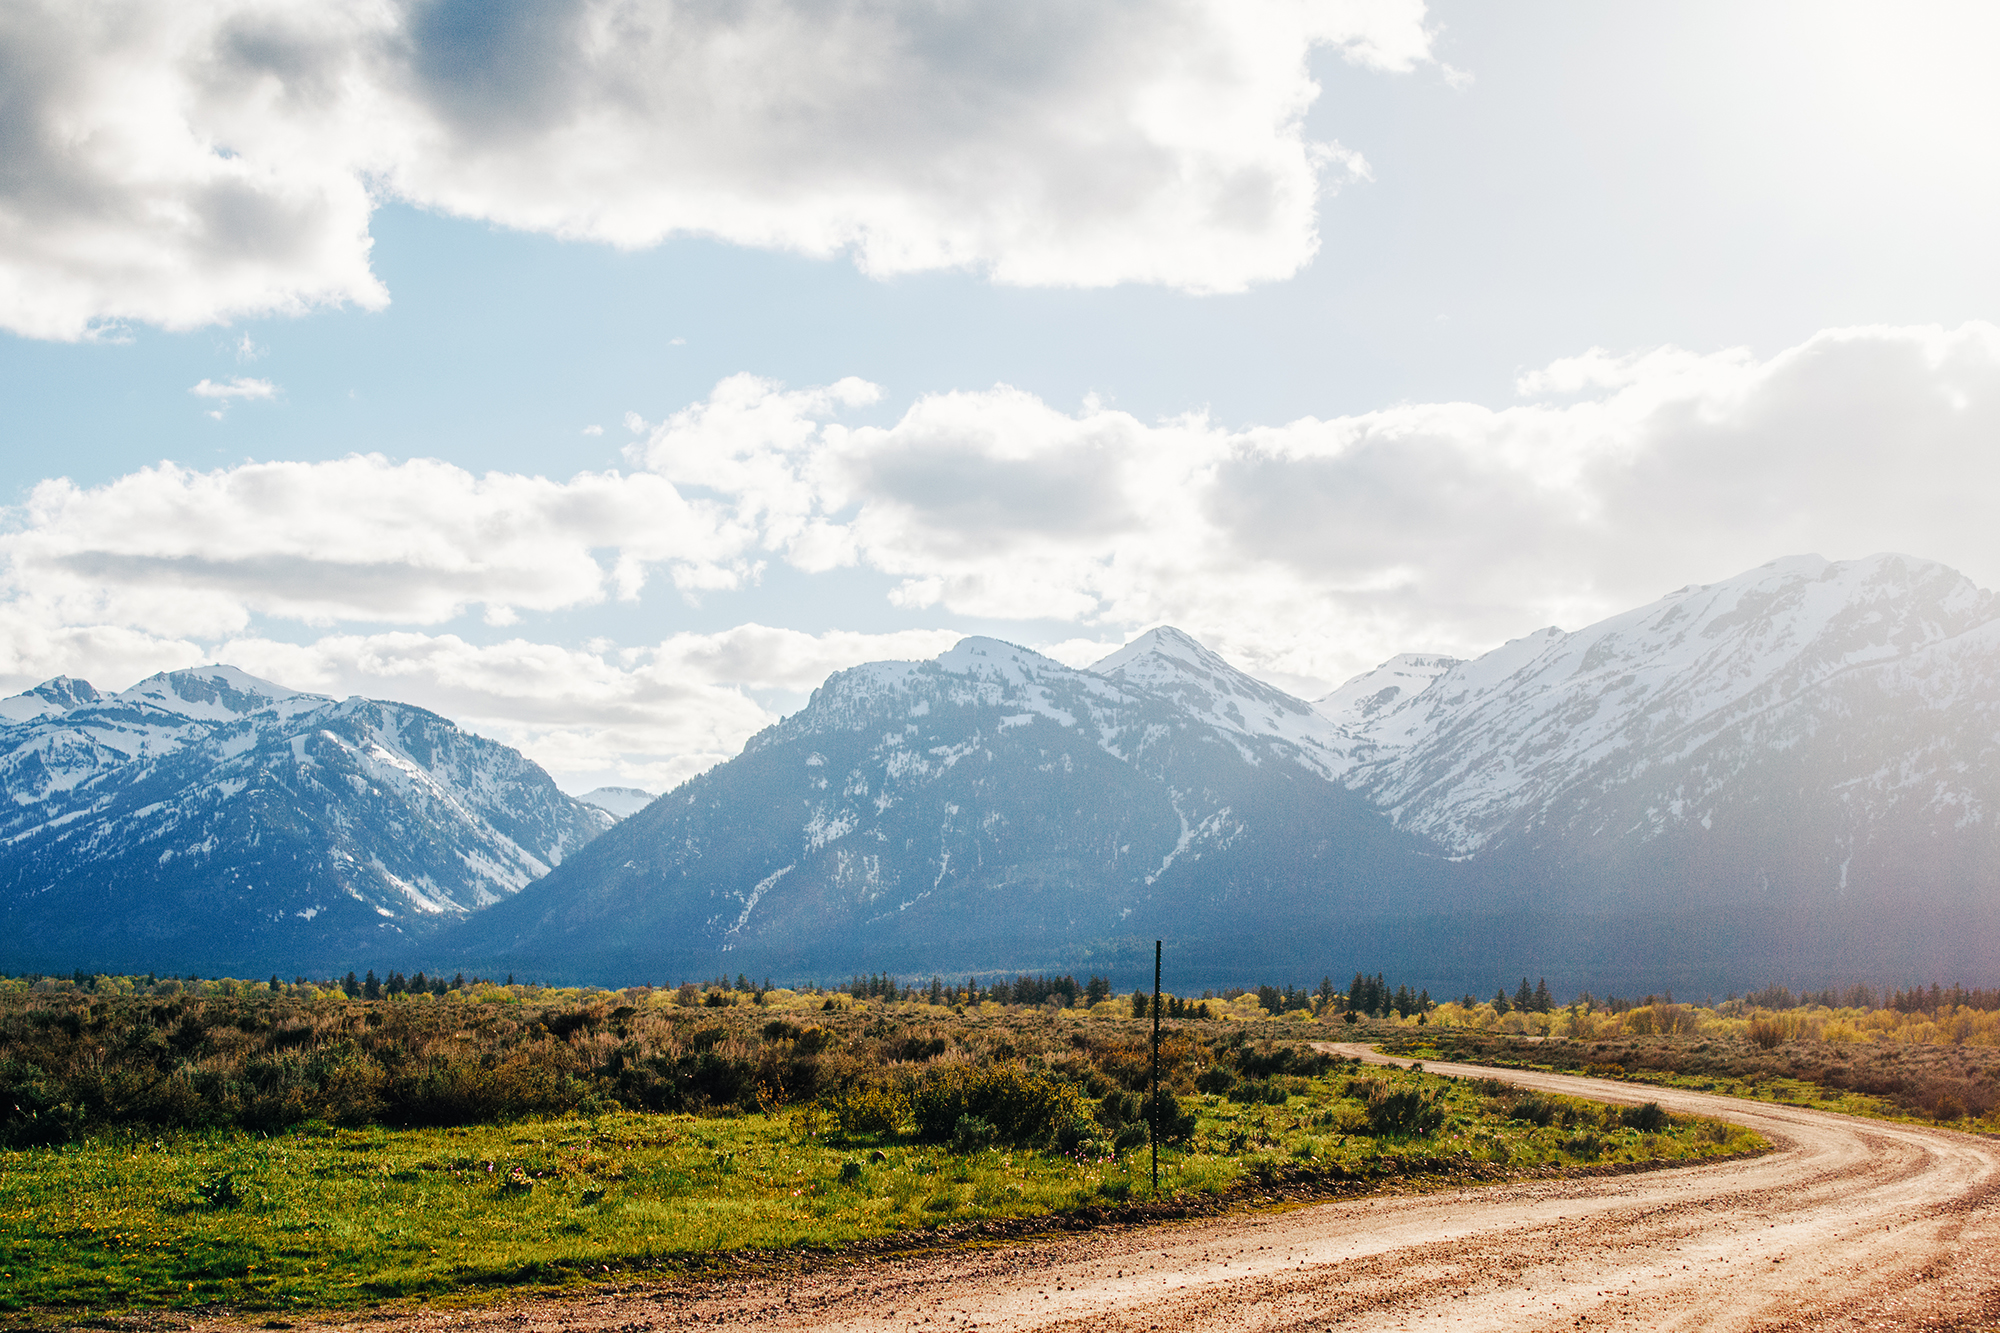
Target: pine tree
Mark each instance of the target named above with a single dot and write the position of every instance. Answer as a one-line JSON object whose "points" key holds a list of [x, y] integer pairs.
{"points": [[352, 985], [1544, 1002], [1500, 1005], [1524, 999], [370, 987]]}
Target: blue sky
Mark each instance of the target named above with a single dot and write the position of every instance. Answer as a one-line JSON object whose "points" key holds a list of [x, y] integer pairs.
{"points": [[1579, 303]]}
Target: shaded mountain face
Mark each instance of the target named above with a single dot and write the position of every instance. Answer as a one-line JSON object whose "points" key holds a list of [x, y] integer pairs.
{"points": [[989, 809], [213, 821]]}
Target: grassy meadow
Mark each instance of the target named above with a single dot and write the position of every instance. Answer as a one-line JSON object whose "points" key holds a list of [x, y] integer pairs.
{"points": [[267, 1150]]}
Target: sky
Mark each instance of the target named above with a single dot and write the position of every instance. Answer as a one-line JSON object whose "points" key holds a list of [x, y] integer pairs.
{"points": [[603, 374]]}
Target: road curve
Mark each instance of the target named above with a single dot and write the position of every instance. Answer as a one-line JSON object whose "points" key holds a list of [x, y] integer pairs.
{"points": [[1849, 1224]]}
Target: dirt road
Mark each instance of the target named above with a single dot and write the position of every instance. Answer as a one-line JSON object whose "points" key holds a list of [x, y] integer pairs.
{"points": [[1850, 1224]]}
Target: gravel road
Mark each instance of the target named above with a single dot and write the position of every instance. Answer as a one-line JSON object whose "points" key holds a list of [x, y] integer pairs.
{"points": [[1850, 1224]]}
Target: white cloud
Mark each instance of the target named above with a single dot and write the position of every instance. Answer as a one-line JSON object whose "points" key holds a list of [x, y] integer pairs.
{"points": [[1306, 551], [651, 716], [1316, 548], [240, 387], [184, 164], [183, 553]]}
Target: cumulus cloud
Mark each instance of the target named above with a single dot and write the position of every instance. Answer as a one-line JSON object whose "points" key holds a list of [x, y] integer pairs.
{"points": [[1316, 548], [183, 164], [182, 553], [1307, 551], [650, 716]]}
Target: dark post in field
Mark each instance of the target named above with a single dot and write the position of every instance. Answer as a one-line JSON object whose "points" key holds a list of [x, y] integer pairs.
{"points": [[1156, 1067]]}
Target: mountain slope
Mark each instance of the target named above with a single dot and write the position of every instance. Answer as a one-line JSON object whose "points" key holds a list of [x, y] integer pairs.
{"points": [[1792, 773], [209, 819], [1648, 720], [989, 809]]}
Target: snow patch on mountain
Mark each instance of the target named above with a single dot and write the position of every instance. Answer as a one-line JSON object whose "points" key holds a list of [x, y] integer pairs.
{"points": [[1174, 665]]}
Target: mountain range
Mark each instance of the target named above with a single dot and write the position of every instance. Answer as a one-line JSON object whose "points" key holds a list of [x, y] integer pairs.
{"points": [[209, 820], [1787, 775]]}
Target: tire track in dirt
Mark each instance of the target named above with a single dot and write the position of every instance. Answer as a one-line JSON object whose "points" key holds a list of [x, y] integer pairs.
{"points": [[1849, 1224]]}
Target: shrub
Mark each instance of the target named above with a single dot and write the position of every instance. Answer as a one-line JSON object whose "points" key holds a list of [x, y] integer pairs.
{"points": [[1216, 1078], [1647, 1119], [1261, 1092], [1023, 1106], [1587, 1146], [1404, 1111], [971, 1133], [875, 1110], [1534, 1110]]}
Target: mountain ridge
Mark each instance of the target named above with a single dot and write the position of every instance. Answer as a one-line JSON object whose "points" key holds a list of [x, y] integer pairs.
{"points": [[211, 816]]}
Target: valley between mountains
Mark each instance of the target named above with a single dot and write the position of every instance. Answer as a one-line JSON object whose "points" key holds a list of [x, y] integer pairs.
{"points": [[1790, 775]]}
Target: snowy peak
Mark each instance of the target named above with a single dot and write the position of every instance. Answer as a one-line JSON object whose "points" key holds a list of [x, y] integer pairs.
{"points": [[1172, 663], [1396, 681], [998, 661], [1158, 646], [618, 802], [213, 694], [48, 699]]}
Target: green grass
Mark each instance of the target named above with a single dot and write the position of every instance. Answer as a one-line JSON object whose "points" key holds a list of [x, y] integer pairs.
{"points": [[325, 1218]]}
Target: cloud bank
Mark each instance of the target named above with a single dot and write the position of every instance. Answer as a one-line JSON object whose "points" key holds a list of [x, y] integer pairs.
{"points": [[183, 164], [1307, 551]]}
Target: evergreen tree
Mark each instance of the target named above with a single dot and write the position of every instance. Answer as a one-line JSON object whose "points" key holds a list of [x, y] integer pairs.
{"points": [[1098, 989], [352, 985], [370, 987], [1524, 999], [1500, 1005], [1544, 1002], [1140, 1001], [274, 983]]}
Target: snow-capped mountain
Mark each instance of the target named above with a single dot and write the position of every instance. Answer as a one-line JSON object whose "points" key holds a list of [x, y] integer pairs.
{"points": [[1792, 774], [989, 808], [1170, 663], [209, 817], [1355, 705], [1879, 676], [619, 802]]}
